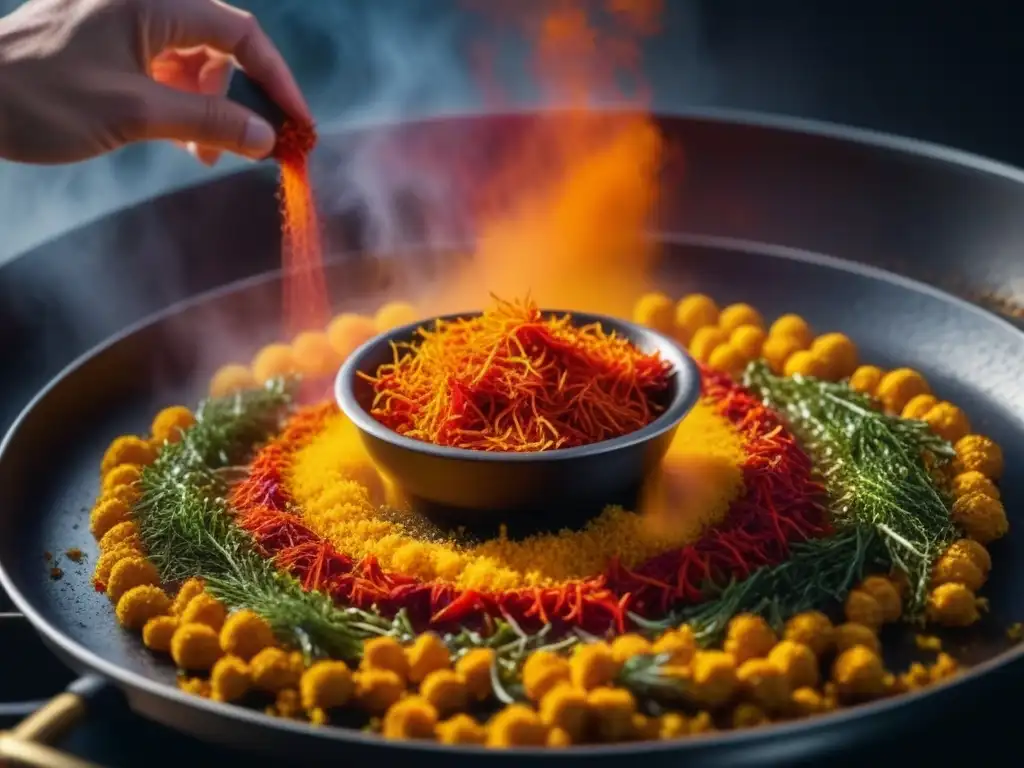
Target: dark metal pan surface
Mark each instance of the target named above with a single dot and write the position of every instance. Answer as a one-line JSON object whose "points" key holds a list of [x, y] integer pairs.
{"points": [[935, 214], [49, 461]]}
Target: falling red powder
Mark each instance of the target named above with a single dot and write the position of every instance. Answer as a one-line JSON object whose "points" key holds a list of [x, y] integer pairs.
{"points": [[305, 301]]}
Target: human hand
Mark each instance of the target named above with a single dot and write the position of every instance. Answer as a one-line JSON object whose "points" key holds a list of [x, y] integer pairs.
{"points": [[79, 78]]}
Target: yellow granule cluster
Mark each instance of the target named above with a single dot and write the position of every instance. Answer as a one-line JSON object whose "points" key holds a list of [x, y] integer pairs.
{"points": [[332, 480]]}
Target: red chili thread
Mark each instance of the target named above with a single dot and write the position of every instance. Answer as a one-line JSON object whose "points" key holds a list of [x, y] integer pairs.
{"points": [[512, 379], [782, 504]]}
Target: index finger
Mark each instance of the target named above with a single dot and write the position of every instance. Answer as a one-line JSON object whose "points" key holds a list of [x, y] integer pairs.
{"points": [[238, 33]]}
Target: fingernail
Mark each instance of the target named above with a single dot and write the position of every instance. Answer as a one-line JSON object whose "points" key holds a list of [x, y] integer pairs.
{"points": [[259, 138]]}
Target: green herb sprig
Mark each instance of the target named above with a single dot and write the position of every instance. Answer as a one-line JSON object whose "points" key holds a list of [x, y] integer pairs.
{"points": [[879, 470], [818, 571], [887, 508], [509, 641], [185, 524], [652, 678], [187, 527]]}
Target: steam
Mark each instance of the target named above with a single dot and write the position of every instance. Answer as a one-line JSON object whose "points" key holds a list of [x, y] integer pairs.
{"points": [[360, 62], [356, 60], [561, 214]]}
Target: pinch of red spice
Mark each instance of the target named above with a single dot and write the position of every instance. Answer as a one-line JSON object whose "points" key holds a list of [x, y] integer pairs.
{"points": [[294, 142]]}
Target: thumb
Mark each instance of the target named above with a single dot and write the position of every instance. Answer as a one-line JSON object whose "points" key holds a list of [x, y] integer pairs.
{"points": [[209, 121]]}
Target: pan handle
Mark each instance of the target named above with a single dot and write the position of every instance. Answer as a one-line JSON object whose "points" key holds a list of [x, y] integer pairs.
{"points": [[26, 743]]}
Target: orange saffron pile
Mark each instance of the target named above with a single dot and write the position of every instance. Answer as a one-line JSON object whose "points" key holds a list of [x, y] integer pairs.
{"points": [[782, 505], [306, 305], [512, 379]]}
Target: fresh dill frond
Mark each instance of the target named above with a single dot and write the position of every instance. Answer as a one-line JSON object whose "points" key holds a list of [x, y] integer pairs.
{"points": [[653, 678], [181, 513], [185, 523], [187, 527], [887, 509], [879, 470], [511, 645], [818, 571]]}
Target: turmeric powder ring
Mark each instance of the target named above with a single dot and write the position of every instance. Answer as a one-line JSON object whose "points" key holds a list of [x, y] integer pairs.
{"points": [[811, 509], [819, 543]]}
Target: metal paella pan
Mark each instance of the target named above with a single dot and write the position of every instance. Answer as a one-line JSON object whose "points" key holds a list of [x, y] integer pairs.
{"points": [[820, 198]]}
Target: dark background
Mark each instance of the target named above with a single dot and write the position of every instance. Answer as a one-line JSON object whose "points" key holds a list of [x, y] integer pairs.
{"points": [[948, 73]]}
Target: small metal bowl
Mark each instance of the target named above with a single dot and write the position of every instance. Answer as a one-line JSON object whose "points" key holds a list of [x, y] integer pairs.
{"points": [[542, 490]]}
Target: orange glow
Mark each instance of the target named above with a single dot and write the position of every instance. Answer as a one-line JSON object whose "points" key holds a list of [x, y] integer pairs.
{"points": [[566, 213], [563, 216]]}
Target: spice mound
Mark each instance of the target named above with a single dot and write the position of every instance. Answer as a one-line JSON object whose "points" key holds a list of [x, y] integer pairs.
{"points": [[797, 518], [514, 380]]}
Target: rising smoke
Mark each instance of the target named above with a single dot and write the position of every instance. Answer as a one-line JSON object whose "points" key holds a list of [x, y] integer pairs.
{"points": [[365, 60], [359, 61]]}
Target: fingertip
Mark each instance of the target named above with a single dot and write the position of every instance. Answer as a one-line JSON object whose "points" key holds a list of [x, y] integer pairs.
{"points": [[300, 108], [259, 139]]}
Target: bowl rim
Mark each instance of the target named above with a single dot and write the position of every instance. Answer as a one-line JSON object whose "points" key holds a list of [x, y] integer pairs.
{"points": [[684, 368]]}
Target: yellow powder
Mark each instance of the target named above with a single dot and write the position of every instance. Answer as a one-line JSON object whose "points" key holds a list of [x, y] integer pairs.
{"points": [[333, 481]]}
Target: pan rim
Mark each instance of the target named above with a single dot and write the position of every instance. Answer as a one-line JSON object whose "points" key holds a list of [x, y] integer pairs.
{"points": [[778, 734], [782, 122]]}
